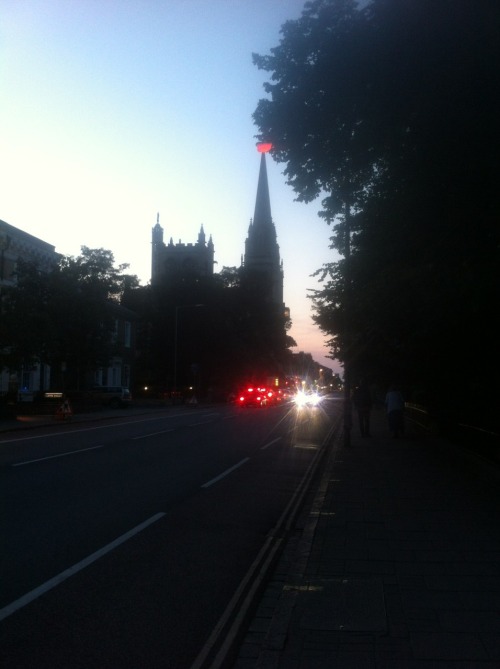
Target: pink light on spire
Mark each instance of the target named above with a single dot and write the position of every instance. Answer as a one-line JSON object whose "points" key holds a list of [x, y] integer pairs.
{"points": [[264, 147]]}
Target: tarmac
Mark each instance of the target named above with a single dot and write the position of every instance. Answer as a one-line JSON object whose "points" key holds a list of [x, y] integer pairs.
{"points": [[394, 562]]}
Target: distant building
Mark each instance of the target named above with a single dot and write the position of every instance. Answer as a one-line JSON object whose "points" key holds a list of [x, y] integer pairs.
{"points": [[15, 245], [169, 261]]}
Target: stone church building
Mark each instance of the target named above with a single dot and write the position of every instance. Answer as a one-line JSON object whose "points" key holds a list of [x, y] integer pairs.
{"points": [[261, 257]]}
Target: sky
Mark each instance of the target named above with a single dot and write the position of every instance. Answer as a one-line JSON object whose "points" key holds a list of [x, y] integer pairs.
{"points": [[114, 111]]}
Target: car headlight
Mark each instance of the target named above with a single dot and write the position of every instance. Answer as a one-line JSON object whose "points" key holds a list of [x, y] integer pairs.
{"points": [[300, 399], [314, 399]]}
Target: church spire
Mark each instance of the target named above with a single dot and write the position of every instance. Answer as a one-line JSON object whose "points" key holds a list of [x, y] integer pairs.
{"points": [[262, 254], [262, 215]]}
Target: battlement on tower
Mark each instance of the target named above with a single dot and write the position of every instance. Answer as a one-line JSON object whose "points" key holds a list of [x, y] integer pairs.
{"points": [[181, 260]]}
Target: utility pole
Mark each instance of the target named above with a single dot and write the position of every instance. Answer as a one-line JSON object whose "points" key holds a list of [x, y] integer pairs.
{"points": [[176, 333]]}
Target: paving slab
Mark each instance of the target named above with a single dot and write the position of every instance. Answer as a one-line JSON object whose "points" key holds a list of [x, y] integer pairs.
{"points": [[395, 563]]}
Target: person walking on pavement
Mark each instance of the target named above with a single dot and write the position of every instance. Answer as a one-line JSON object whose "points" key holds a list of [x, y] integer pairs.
{"points": [[395, 405], [362, 400]]}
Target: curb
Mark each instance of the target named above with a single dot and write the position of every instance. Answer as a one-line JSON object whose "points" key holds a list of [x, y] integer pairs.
{"points": [[222, 647]]}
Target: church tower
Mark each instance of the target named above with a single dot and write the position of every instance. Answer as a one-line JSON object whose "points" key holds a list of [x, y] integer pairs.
{"points": [[177, 261], [262, 255]]}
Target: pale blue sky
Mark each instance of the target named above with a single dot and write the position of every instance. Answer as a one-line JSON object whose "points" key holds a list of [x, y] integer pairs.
{"points": [[114, 110]]}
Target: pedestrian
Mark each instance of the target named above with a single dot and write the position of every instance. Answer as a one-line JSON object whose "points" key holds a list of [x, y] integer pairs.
{"points": [[362, 400], [395, 405]]}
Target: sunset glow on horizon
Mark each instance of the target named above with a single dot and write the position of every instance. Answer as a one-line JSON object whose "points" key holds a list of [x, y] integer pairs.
{"points": [[114, 111]]}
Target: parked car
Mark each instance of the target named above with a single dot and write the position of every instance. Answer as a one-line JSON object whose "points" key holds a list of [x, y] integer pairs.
{"points": [[113, 396]]}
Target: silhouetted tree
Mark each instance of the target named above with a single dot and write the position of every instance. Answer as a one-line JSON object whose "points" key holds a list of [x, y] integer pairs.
{"points": [[25, 328], [65, 315], [389, 112]]}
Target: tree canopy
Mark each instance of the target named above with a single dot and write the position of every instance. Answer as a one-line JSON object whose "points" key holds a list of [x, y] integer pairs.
{"points": [[213, 331], [388, 112], [63, 316]]}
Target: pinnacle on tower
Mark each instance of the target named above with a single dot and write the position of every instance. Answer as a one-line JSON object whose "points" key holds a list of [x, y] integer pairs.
{"points": [[201, 236]]}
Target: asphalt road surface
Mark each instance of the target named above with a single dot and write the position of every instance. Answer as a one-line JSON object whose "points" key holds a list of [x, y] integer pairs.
{"points": [[124, 541]]}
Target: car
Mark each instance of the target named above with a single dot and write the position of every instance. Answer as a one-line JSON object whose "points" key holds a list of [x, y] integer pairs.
{"points": [[252, 395], [282, 395], [276, 395], [307, 400], [113, 396]]}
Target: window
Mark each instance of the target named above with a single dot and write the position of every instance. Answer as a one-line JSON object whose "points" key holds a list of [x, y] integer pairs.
{"points": [[128, 334], [26, 381], [114, 334]]}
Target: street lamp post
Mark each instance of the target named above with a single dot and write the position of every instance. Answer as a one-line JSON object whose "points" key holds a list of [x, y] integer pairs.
{"points": [[347, 327], [176, 332], [4, 245]]}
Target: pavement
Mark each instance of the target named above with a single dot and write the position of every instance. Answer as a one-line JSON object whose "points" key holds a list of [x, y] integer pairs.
{"points": [[31, 420], [394, 563]]}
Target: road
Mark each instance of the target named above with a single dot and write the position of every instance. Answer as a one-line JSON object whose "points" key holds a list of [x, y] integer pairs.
{"points": [[124, 541]]}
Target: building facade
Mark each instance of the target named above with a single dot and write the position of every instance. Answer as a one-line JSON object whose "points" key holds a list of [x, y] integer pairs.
{"points": [[119, 371], [15, 245]]}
